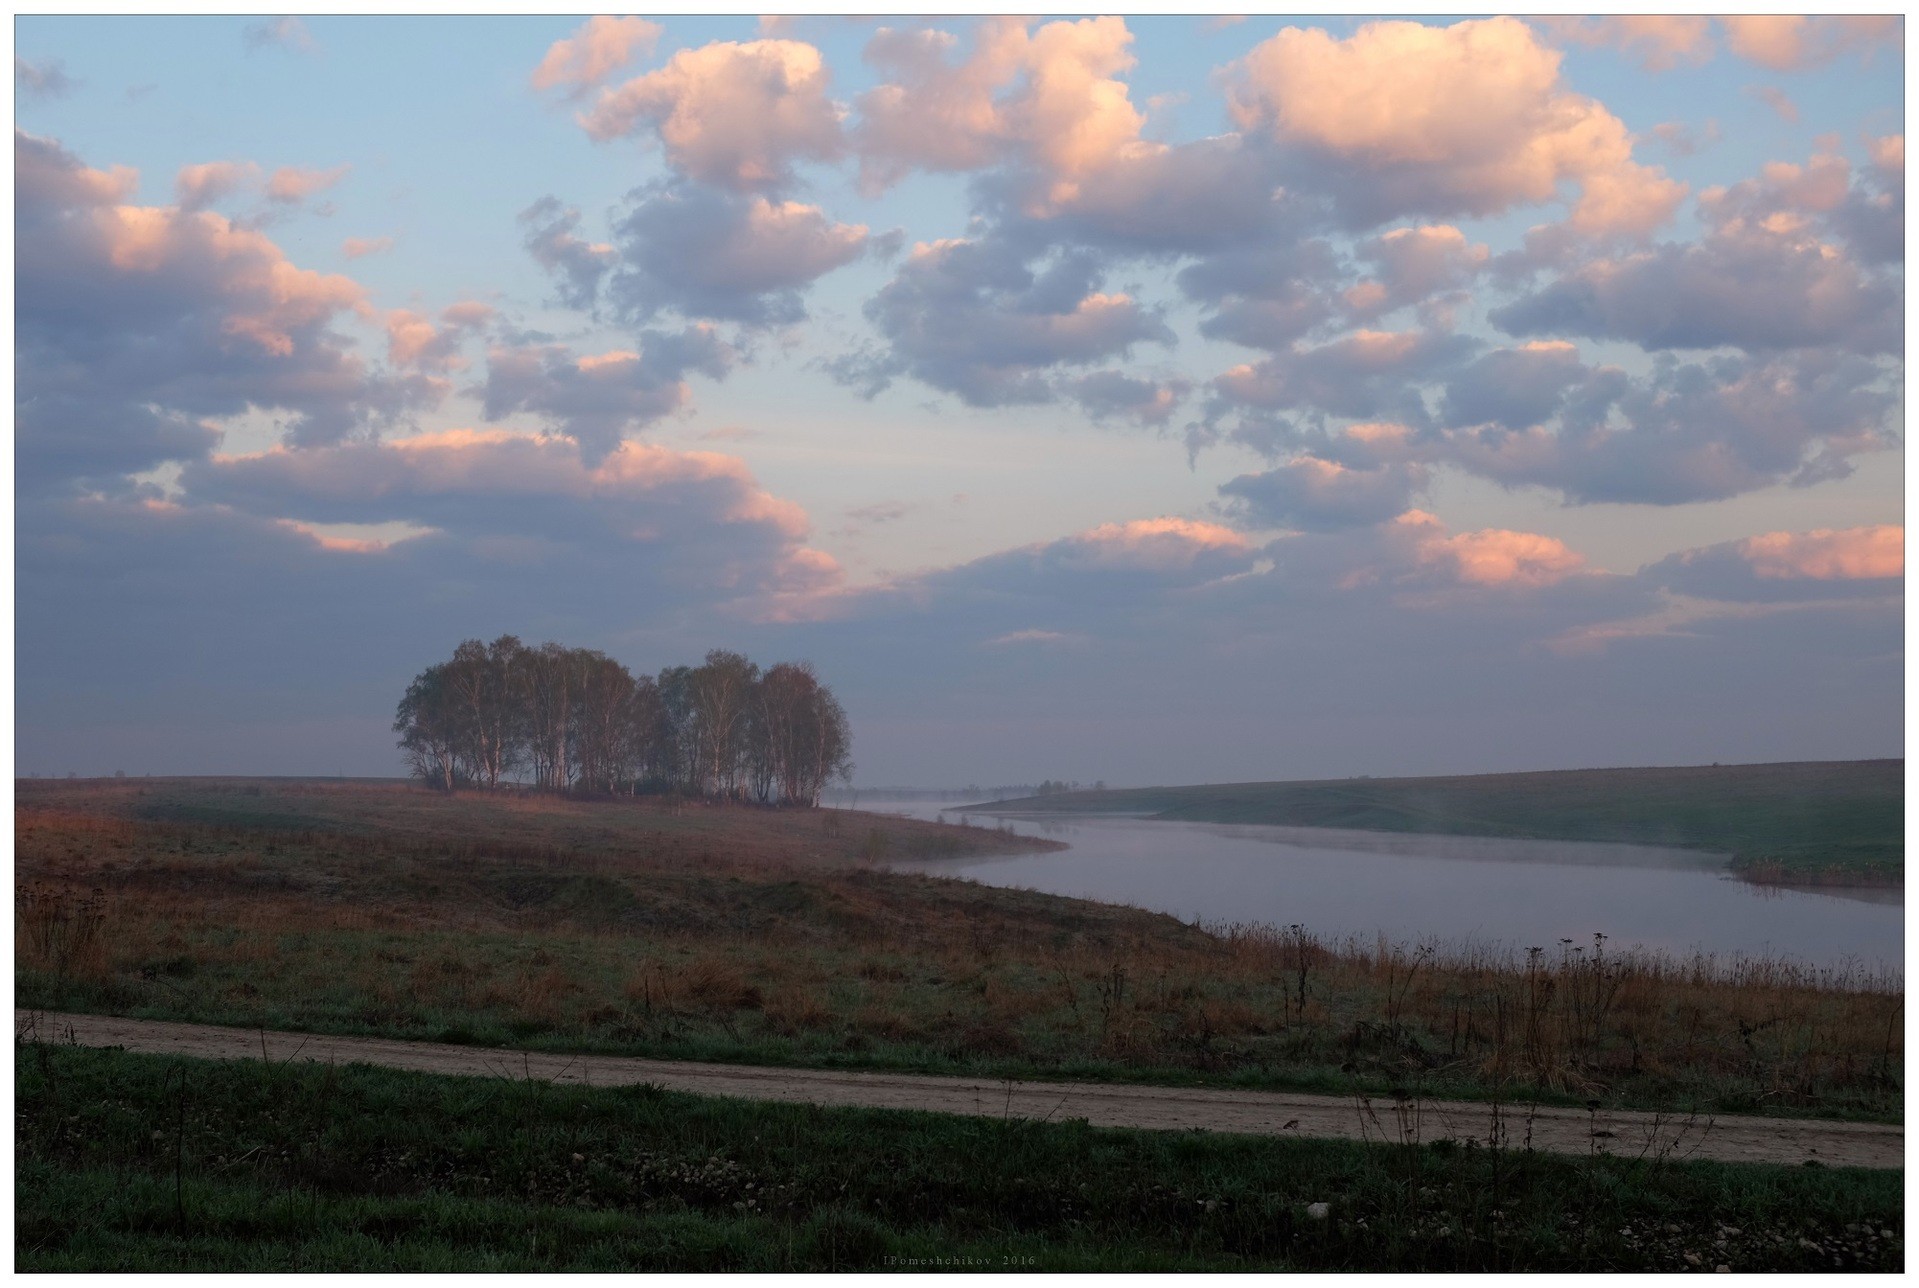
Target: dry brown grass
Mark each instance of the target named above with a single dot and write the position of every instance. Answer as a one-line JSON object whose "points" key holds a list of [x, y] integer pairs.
{"points": [[686, 945]]}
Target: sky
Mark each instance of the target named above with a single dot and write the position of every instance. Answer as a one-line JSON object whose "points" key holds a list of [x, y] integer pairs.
{"points": [[1137, 399]]}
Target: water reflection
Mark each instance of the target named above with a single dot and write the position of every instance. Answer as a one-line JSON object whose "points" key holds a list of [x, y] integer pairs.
{"points": [[1497, 890]]}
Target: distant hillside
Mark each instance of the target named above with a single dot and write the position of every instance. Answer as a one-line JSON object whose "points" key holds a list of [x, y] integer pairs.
{"points": [[1833, 821]]}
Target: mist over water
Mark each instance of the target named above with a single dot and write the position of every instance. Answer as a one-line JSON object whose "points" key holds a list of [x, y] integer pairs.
{"points": [[1453, 888]]}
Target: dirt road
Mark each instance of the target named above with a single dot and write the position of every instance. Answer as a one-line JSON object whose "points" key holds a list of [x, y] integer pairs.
{"points": [[1259, 1113]]}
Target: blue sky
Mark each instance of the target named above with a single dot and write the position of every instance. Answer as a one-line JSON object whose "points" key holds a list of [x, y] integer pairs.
{"points": [[1087, 398]]}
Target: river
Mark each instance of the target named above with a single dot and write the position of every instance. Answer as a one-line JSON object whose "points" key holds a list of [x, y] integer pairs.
{"points": [[1413, 888]]}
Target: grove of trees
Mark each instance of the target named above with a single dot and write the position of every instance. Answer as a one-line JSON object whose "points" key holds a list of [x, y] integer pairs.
{"points": [[575, 720]]}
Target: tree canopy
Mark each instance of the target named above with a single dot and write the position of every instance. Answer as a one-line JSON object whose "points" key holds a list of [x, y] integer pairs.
{"points": [[576, 720]]}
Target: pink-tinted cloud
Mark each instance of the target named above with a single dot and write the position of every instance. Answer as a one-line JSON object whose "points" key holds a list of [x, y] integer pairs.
{"points": [[1489, 557], [138, 326], [448, 479], [417, 341], [1826, 554], [291, 185], [1402, 118], [598, 49], [1849, 565], [196, 187], [1793, 42], [1660, 41], [1155, 545], [933, 113], [1032, 635], [1042, 113], [361, 247], [734, 115], [1046, 98]]}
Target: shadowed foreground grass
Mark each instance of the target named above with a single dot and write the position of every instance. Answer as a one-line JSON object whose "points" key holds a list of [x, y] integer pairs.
{"points": [[759, 936], [131, 1162]]}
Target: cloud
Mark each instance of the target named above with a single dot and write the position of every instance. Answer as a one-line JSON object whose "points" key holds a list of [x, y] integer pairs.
{"points": [[1490, 556], [737, 116], [1693, 431], [196, 187], [490, 482], [1317, 494], [600, 398], [1777, 567], [1872, 218], [974, 319], [361, 247], [1762, 279], [1096, 579], [1826, 555], [881, 512], [1031, 635], [1792, 42], [1778, 100], [285, 32], [1682, 140], [41, 81], [1413, 265], [1115, 395], [1265, 296], [415, 340], [1660, 41], [1365, 374], [1514, 388], [599, 48], [714, 254], [1765, 277], [247, 605], [1046, 98], [139, 327], [1042, 115], [576, 265], [1403, 119], [290, 185]]}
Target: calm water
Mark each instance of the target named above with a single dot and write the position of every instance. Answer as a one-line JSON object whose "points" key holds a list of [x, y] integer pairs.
{"points": [[1418, 887]]}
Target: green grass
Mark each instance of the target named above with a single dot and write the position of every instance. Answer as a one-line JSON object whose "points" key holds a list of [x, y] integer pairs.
{"points": [[127, 1162], [1816, 821], [756, 936]]}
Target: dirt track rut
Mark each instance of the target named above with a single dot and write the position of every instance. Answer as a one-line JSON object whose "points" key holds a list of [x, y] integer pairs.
{"points": [[1737, 1139]]}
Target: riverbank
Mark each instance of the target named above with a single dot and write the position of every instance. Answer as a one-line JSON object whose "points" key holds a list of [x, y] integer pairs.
{"points": [[1805, 823], [762, 937]]}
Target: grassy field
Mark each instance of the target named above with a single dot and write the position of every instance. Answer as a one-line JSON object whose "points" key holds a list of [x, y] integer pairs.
{"points": [[144, 1163], [1836, 822], [771, 937]]}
